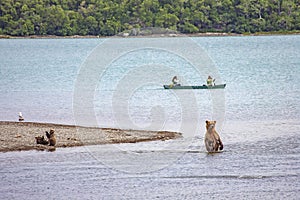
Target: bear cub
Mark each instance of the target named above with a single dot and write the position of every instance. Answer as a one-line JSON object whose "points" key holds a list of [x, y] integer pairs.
{"points": [[51, 137], [41, 140]]}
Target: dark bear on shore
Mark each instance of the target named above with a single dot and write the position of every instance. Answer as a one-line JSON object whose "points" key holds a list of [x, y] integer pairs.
{"points": [[41, 140], [51, 137], [212, 140]]}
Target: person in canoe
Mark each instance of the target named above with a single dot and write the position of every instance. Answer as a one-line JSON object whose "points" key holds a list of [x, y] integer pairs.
{"points": [[175, 81], [210, 81]]}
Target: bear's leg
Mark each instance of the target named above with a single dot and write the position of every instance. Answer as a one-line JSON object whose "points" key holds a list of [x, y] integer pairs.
{"points": [[220, 144], [210, 146]]}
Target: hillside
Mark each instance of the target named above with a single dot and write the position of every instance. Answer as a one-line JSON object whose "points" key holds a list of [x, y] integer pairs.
{"points": [[110, 17]]}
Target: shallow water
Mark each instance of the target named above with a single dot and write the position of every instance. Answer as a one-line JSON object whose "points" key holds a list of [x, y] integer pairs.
{"points": [[245, 170], [257, 117]]}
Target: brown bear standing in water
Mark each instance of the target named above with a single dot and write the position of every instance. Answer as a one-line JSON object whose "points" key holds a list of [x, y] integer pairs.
{"points": [[212, 140], [51, 137]]}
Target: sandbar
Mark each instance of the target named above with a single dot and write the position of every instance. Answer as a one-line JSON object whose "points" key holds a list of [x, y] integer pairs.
{"points": [[20, 136]]}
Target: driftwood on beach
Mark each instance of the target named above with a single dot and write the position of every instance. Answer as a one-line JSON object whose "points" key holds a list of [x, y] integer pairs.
{"points": [[16, 136]]}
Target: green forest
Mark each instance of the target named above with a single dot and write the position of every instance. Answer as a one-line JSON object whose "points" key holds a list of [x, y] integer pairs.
{"points": [[110, 17]]}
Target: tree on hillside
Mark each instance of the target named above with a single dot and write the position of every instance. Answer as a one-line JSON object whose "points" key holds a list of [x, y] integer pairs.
{"points": [[109, 17]]}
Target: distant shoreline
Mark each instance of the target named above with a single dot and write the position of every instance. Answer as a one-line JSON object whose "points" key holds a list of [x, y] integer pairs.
{"points": [[208, 34], [20, 136]]}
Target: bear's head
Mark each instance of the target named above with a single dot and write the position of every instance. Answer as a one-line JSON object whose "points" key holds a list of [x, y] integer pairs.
{"points": [[39, 138], [51, 131], [210, 124]]}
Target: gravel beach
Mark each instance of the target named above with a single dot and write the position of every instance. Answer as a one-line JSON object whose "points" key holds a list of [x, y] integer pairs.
{"points": [[18, 136]]}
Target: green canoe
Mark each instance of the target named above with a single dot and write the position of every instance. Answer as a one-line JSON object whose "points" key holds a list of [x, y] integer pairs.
{"points": [[194, 87]]}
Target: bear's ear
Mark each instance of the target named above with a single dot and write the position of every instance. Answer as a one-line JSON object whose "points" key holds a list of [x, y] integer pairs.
{"points": [[207, 122], [215, 122]]}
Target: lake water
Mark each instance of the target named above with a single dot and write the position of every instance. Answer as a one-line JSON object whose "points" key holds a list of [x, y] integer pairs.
{"points": [[118, 83]]}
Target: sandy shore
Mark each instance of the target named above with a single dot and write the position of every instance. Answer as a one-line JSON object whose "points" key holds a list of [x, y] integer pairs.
{"points": [[17, 136]]}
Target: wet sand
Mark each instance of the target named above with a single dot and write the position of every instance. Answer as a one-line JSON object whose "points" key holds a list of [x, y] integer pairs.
{"points": [[19, 136]]}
